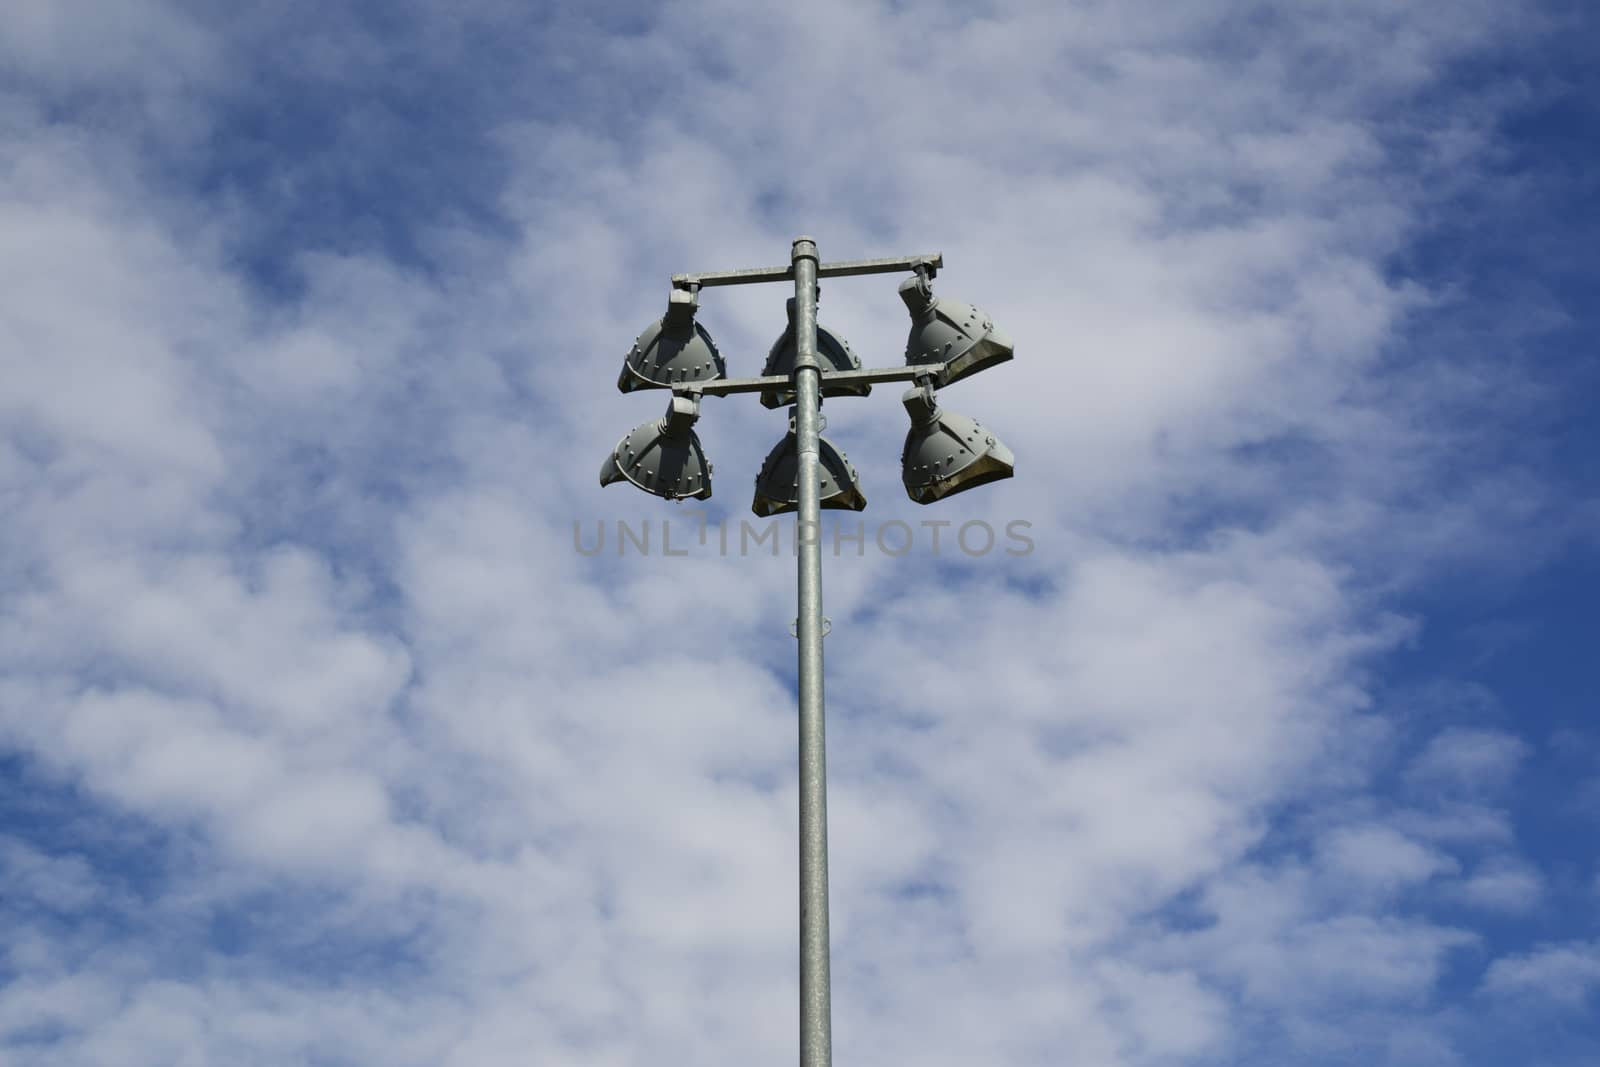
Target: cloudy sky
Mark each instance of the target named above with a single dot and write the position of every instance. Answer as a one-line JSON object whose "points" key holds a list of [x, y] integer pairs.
{"points": [[323, 744]]}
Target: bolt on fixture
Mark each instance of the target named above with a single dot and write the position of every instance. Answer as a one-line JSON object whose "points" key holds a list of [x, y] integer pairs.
{"points": [[945, 453]]}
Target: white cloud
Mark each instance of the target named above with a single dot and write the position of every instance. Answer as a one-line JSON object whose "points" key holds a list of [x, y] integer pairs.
{"points": [[1379, 858], [64, 883], [1505, 884], [107, 44], [1467, 760], [1562, 974], [291, 576]]}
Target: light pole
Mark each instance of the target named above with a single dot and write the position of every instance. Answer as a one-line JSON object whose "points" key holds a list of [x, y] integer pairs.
{"points": [[945, 453]]}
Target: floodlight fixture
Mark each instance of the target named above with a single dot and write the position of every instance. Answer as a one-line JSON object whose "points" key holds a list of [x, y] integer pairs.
{"points": [[663, 457], [673, 350], [946, 452], [948, 331], [778, 484], [833, 354]]}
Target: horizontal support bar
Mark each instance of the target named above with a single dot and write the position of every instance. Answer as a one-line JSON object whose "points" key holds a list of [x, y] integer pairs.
{"points": [[734, 277], [880, 375], [844, 269], [880, 266], [729, 386]]}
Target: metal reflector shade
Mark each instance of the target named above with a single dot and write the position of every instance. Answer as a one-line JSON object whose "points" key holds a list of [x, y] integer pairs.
{"points": [[833, 353], [947, 453], [663, 457], [778, 484], [948, 331], [672, 350]]}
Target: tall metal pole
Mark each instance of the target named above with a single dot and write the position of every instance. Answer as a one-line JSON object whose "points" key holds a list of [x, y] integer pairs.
{"points": [[816, 1022]]}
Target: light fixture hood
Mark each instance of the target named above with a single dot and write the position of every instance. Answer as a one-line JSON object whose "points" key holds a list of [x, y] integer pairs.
{"points": [[663, 457], [833, 354], [950, 332], [778, 484], [947, 452], [673, 350]]}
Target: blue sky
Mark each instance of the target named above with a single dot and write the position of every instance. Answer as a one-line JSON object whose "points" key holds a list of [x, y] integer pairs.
{"points": [[321, 744]]}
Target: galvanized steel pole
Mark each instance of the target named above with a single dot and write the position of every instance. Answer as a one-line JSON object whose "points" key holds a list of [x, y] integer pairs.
{"points": [[697, 370], [816, 1024]]}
